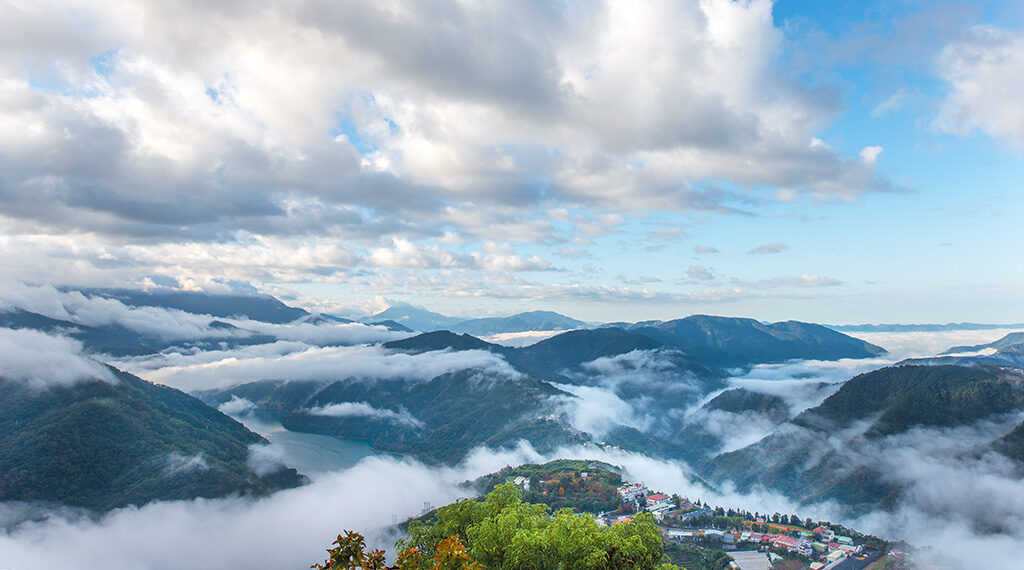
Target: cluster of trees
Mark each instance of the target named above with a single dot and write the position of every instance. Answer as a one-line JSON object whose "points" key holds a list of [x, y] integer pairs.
{"points": [[502, 531], [560, 484]]}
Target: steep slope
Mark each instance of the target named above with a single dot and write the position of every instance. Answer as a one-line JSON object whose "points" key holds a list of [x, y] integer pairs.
{"points": [[443, 418], [732, 342], [439, 420], [829, 452], [102, 445]]}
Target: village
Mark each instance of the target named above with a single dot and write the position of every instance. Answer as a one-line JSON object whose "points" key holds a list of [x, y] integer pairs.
{"points": [[697, 535], [754, 541]]}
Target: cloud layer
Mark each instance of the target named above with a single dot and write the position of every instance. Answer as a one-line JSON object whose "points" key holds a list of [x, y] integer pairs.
{"points": [[40, 360]]}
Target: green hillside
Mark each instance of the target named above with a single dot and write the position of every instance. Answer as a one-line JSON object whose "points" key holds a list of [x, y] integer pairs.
{"points": [[103, 445], [812, 460]]}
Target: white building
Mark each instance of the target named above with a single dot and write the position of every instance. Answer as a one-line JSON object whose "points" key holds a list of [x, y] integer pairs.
{"points": [[750, 560]]}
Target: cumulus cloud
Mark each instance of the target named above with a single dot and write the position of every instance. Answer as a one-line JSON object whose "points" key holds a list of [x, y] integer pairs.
{"points": [[984, 71], [236, 406], [364, 410], [154, 141], [869, 154], [39, 360], [265, 459]]}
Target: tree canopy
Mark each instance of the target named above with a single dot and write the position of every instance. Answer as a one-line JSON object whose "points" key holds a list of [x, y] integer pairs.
{"points": [[503, 532]]}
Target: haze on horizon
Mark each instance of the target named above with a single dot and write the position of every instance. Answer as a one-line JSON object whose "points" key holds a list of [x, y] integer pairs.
{"points": [[844, 162]]}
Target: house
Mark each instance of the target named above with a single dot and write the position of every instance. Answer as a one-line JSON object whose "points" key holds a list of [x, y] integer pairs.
{"points": [[793, 544], [750, 560], [787, 542], [659, 502], [835, 556], [633, 492], [675, 534]]}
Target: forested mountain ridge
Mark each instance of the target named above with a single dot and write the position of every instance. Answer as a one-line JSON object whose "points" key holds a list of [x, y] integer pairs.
{"points": [[827, 452], [101, 444]]}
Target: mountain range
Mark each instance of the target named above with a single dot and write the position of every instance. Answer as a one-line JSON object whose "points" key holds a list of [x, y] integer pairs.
{"points": [[662, 388], [443, 418], [833, 451], [1008, 351], [419, 319]]}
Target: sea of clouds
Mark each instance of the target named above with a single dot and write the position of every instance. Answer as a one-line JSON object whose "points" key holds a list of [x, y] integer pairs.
{"points": [[964, 508]]}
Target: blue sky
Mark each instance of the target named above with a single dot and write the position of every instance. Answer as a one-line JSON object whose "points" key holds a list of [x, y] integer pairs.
{"points": [[609, 160]]}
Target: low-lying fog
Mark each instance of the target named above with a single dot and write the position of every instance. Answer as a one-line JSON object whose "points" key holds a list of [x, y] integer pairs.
{"points": [[970, 511]]}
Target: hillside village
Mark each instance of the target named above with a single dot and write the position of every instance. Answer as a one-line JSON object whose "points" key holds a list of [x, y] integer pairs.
{"points": [[698, 535]]}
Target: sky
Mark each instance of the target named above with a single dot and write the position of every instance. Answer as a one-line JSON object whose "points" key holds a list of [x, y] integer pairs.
{"points": [[837, 162]]}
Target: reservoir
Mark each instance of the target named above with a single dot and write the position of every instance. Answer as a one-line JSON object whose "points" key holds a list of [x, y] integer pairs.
{"points": [[310, 453]]}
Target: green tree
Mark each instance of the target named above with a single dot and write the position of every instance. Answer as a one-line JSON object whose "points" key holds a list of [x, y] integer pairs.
{"points": [[504, 532], [349, 553]]}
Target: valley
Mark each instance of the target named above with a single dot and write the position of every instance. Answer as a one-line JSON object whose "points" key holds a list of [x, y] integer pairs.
{"points": [[812, 418]]}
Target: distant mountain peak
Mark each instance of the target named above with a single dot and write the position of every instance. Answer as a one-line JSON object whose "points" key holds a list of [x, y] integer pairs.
{"points": [[440, 340]]}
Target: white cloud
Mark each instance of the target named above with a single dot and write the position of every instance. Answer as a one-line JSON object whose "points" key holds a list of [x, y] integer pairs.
{"points": [[265, 459], [265, 145], [520, 339], [322, 334], [236, 406], [39, 360], [799, 383], [364, 410], [95, 311], [985, 72], [596, 410], [317, 363], [919, 344], [869, 154]]}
